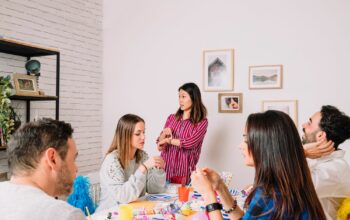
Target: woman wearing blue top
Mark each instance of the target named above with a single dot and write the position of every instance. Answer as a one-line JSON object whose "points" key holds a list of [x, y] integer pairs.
{"points": [[282, 188]]}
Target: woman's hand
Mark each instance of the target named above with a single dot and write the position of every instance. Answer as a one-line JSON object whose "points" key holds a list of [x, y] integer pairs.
{"points": [[318, 149], [161, 147], [164, 141], [202, 184], [156, 161], [213, 177], [167, 133]]}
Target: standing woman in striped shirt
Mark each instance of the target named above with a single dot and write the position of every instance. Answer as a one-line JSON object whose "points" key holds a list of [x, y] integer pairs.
{"points": [[181, 140]]}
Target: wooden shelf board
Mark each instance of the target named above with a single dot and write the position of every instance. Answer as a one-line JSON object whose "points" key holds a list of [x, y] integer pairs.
{"points": [[24, 49]]}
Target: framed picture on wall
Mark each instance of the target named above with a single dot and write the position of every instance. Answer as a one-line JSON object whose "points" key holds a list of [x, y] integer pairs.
{"points": [[230, 102], [289, 107], [265, 77], [218, 70], [25, 85]]}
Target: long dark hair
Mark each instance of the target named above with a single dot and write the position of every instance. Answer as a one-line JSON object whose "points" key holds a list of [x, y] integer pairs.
{"points": [[281, 170], [198, 110], [122, 139]]}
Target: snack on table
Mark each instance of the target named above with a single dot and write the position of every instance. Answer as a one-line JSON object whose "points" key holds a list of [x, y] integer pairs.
{"points": [[186, 209]]}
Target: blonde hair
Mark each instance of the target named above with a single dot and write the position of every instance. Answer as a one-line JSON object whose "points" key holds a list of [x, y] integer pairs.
{"points": [[123, 137]]}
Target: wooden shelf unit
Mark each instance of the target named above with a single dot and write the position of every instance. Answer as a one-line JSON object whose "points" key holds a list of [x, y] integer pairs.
{"points": [[27, 50]]}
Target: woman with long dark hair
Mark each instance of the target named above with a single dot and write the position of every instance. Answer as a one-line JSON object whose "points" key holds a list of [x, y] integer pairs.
{"points": [[181, 140], [282, 188], [127, 172]]}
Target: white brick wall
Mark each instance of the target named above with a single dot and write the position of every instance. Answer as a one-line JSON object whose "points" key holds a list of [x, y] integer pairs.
{"points": [[75, 28]]}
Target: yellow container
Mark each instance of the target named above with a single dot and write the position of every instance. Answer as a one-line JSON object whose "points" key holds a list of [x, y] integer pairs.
{"points": [[125, 212]]}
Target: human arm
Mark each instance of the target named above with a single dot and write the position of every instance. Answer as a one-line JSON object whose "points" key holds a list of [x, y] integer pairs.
{"points": [[165, 134], [156, 177], [206, 182], [195, 136], [156, 181], [112, 177]]}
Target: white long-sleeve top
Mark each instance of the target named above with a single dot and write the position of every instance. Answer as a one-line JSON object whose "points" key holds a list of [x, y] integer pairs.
{"points": [[120, 185], [331, 177]]}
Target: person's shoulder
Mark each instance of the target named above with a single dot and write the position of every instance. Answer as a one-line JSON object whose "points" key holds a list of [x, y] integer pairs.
{"points": [[335, 159], [59, 209], [144, 155], [171, 117], [111, 163], [4, 184], [111, 157], [204, 120], [5, 188], [202, 123]]}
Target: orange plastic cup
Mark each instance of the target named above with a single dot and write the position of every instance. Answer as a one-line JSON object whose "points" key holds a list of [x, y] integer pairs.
{"points": [[183, 193]]}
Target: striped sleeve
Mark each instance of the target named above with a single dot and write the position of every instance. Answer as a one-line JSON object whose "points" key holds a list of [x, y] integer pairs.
{"points": [[168, 120], [197, 135]]}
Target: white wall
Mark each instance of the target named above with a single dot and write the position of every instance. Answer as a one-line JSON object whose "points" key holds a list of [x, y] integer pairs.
{"points": [[152, 47], [74, 28]]}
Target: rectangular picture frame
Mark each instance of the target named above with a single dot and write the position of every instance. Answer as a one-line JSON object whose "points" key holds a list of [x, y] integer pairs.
{"points": [[289, 107], [265, 77], [218, 70], [230, 102], [25, 85]]}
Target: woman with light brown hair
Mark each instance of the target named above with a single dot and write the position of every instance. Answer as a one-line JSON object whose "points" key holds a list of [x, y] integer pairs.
{"points": [[127, 172]]}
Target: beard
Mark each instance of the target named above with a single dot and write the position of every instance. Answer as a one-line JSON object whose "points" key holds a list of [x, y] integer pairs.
{"points": [[64, 182], [309, 138]]}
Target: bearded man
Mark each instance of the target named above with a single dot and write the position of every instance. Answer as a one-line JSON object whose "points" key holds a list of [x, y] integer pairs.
{"points": [[41, 157], [330, 173]]}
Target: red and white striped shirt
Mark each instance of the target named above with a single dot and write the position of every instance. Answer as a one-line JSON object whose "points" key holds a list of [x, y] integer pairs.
{"points": [[182, 160]]}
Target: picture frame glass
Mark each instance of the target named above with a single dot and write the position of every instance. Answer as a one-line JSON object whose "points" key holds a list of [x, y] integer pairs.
{"points": [[230, 102], [218, 70], [265, 77], [25, 85], [290, 107]]}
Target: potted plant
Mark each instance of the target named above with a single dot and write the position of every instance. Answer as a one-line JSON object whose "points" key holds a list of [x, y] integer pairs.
{"points": [[6, 111]]}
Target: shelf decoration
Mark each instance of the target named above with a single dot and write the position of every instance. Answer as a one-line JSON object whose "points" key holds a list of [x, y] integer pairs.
{"points": [[6, 112], [25, 85]]}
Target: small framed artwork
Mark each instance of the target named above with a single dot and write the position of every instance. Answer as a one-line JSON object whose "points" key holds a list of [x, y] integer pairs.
{"points": [[230, 102], [289, 107], [218, 70], [265, 77], [25, 85]]}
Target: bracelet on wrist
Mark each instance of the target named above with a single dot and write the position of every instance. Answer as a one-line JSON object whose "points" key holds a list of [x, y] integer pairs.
{"points": [[213, 206], [233, 208]]}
